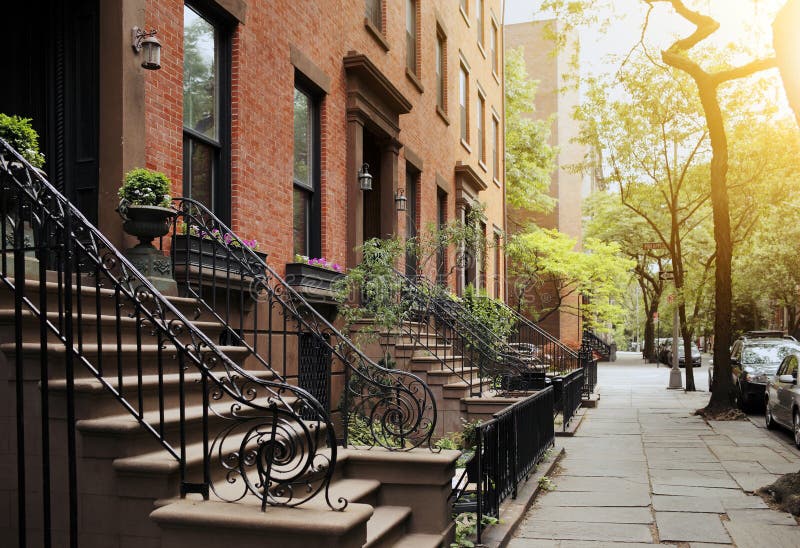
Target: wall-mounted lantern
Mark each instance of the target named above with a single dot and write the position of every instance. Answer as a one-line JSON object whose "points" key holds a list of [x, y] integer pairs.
{"points": [[147, 43], [364, 178]]}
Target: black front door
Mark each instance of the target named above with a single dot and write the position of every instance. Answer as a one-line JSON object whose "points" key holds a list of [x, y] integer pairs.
{"points": [[55, 82]]}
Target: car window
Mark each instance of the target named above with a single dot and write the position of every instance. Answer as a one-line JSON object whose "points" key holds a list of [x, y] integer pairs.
{"points": [[766, 354], [792, 369], [737, 346], [784, 366]]}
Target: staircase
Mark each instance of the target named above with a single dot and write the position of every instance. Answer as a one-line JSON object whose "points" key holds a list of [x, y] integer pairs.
{"points": [[138, 419], [593, 343]]}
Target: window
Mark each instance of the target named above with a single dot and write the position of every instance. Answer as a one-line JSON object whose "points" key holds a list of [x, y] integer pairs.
{"points": [[206, 114], [480, 258], [497, 261], [306, 210], [479, 128], [465, 6], [374, 13], [479, 20], [441, 250], [441, 71], [495, 149], [463, 93], [412, 186], [411, 37], [493, 47]]}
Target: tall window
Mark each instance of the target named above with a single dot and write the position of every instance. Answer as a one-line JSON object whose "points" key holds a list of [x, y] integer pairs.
{"points": [[479, 19], [441, 250], [441, 71], [374, 13], [463, 92], [306, 229], [411, 36], [497, 260], [495, 149], [465, 6], [479, 128], [412, 186], [493, 47], [206, 100]]}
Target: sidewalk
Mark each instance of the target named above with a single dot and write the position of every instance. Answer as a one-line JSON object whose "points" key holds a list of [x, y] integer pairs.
{"points": [[641, 470]]}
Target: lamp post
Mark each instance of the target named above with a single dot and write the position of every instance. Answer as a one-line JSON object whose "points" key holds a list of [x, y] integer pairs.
{"points": [[675, 380]]}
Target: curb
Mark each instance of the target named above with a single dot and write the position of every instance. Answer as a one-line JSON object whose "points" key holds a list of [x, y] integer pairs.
{"points": [[574, 424], [512, 511]]}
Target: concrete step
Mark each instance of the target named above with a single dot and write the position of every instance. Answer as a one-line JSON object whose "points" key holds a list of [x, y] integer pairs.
{"points": [[387, 525], [463, 389], [419, 540], [447, 377]]}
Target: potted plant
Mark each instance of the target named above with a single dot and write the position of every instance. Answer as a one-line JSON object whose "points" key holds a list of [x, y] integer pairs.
{"points": [[314, 276], [215, 250], [21, 136], [144, 208]]}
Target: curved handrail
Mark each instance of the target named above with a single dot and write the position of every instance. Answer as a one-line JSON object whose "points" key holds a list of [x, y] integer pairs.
{"points": [[397, 406], [272, 440]]}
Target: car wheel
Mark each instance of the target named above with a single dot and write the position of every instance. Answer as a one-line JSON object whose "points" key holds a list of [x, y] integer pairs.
{"points": [[797, 429], [768, 420]]}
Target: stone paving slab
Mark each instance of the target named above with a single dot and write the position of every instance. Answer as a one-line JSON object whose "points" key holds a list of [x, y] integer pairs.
{"points": [[690, 527], [743, 466], [742, 502], [765, 516], [690, 478], [707, 545], [752, 535], [666, 503], [680, 464], [749, 454], [751, 482], [605, 532], [592, 514], [599, 499], [661, 489], [779, 467], [573, 483], [538, 543]]}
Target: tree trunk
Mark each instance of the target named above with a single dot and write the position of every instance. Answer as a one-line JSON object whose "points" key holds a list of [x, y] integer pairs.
{"points": [[686, 336]]}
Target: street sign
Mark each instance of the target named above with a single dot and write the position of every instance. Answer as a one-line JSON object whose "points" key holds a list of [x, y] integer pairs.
{"points": [[648, 246], [666, 275]]}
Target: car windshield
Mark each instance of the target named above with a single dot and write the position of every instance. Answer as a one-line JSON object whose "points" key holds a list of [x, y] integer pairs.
{"points": [[767, 354], [695, 350]]}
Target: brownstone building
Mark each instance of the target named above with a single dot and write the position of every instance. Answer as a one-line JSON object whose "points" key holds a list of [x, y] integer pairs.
{"points": [[266, 112]]}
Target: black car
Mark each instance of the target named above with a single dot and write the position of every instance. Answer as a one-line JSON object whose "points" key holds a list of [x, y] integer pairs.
{"points": [[665, 354], [753, 361]]}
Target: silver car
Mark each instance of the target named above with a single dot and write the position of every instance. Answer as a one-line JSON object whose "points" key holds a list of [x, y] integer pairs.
{"points": [[783, 397]]}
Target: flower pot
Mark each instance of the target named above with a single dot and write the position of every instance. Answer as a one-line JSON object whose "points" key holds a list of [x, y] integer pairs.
{"points": [[189, 250], [313, 282]]}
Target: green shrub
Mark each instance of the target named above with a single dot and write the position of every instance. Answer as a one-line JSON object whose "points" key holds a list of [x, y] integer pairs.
{"points": [[145, 187], [490, 313], [19, 134]]}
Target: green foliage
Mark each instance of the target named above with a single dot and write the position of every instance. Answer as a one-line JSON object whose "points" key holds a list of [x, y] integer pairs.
{"points": [[529, 158], [467, 528], [18, 133], [546, 483], [541, 257], [490, 313], [145, 187]]}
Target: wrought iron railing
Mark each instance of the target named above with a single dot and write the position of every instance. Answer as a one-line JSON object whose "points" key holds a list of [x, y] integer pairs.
{"points": [[593, 342], [590, 373], [81, 309], [537, 346], [285, 334], [461, 344], [507, 449], [567, 393]]}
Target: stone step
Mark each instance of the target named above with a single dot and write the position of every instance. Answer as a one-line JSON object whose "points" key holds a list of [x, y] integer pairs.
{"points": [[90, 324], [387, 525], [127, 357], [463, 389], [419, 540]]}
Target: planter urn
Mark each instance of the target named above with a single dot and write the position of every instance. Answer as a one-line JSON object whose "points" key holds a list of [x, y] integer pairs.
{"points": [[148, 223]]}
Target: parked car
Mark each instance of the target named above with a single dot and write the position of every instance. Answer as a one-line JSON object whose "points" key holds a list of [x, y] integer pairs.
{"points": [[782, 400], [753, 361], [665, 354]]}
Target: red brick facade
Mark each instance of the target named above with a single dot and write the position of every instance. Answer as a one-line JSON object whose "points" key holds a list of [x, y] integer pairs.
{"points": [[323, 33]]}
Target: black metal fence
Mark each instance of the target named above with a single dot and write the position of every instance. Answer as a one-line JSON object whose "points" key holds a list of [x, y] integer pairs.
{"points": [[590, 373], [508, 447], [568, 393]]}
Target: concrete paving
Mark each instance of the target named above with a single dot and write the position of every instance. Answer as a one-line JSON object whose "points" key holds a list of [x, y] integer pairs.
{"points": [[642, 470]]}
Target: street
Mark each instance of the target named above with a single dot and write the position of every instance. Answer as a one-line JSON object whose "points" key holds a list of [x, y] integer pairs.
{"points": [[642, 470]]}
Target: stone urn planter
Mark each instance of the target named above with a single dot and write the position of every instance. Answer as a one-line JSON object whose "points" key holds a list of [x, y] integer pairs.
{"points": [[147, 223], [189, 250]]}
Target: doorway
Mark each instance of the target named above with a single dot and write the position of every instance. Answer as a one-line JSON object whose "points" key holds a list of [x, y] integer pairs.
{"points": [[372, 198], [54, 58]]}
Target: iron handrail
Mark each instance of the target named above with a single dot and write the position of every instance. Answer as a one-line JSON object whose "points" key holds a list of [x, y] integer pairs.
{"points": [[397, 407], [253, 415], [593, 342]]}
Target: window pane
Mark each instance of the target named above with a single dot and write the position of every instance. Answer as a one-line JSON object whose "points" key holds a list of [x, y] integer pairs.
{"points": [[303, 133], [411, 35], [439, 72], [302, 210], [495, 152], [494, 48], [462, 92], [479, 127], [374, 14], [199, 74], [479, 19], [201, 173]]}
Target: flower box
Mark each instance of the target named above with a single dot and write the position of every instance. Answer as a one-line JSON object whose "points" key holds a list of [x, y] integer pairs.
{"points": [[313, 282], [190, 250]]}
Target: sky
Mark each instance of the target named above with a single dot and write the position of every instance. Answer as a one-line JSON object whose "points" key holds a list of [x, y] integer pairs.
{"points": [[739, 19]]}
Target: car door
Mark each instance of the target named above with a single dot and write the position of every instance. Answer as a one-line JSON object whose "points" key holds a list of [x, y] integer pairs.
{"points": [[784, 391], [736, 357], [772, 390]]}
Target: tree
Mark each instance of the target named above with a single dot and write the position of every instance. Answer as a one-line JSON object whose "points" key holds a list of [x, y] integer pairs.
{"points": [[530, 160], [541, 257]]}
